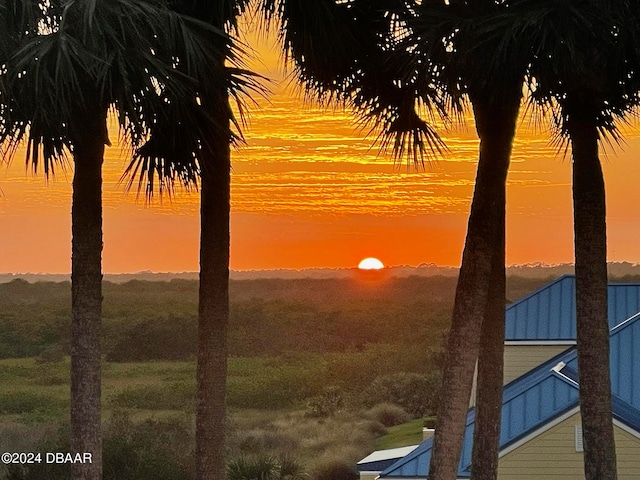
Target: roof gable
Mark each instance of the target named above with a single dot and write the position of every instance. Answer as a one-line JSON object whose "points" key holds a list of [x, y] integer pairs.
{"points": [[529, 402], [544, 394], [549, 313], [625, 361]]}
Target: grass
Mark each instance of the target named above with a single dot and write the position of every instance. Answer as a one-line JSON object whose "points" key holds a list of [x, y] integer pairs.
{"points": [[266, 405], [409, 433], [173, 396], [345, 437], [265, 383]]}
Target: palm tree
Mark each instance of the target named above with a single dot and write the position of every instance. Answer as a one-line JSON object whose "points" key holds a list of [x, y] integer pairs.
{"points": [[588, 77], [203, 158], [67, 64], [477, 330], [384, 59]]}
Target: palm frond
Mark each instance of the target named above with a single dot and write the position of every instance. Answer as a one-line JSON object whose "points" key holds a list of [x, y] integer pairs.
{"points": [[581, 55], [139, 57], [359, 54], [172, 147]]}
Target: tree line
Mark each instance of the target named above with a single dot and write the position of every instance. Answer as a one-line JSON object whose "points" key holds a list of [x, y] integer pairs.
{"points": [[145, 321], [148, 320]]}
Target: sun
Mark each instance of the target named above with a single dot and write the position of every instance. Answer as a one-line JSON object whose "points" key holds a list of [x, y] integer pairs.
{"points": [[370, 263]]}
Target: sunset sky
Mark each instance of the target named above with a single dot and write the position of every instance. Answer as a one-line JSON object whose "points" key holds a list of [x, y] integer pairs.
{"points": [[309, 190]]}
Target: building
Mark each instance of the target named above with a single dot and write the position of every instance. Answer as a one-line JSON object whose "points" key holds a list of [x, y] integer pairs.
{"points": [[541, 434], [372, 465], [543, 323]]}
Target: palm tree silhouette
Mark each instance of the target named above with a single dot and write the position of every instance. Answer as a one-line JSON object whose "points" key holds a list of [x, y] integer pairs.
{"points": [[587, 78], [387, 59], [466, 38], [202, 157], [66, 64], [582, 59]]}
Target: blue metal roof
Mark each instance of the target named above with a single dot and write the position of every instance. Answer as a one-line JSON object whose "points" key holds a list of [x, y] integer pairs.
{"points": [[549, 313], [528, 403], [625, 361], [625, 413], [544, 393], [622, 410]]}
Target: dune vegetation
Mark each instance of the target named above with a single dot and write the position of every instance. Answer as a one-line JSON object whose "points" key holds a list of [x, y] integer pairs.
{"points": [[320, 383]]}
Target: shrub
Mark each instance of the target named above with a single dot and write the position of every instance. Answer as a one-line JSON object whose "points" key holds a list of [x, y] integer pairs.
{"points": [[151, 450], [28, 403], [265, 439], [146, 451], [51, 354], [48, 379], [171, 338], [271, 383], [416, 393], [388, 414], [376, 428], [265, 468], [430, 422], [57, 442], [335, 470], [326, 404]]}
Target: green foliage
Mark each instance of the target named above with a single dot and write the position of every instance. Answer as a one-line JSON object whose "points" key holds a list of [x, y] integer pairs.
{"points": [[16, 371], [26, 402], [265, 468], [402, 435], [291, 469], [145, 320], [335, 470], [326, 404], [288, 338], [416, 393], [52, 354], [58, 442], [172, 338], [274, 383], [150, 450], [174, 396], [388, 414]]}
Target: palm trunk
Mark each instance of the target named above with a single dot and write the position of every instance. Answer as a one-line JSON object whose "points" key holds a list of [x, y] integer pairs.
{"points": [[486, 436], [484, 247], [86, 287], [591, 299], [213, 311]]}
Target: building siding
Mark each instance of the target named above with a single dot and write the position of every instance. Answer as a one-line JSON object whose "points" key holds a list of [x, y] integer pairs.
{"points": [[519, 359], [627, 449], [552, 456]]}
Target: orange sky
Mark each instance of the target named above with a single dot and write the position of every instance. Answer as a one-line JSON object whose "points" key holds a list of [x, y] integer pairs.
{"points": [[310, 191]]}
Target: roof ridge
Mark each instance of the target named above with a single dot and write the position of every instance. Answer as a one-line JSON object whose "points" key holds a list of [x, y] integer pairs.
{"points": [[624, 324], [539, 289]]}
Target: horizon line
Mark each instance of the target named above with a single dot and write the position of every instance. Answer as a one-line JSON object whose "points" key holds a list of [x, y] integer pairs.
{"points": [[286, 269]]}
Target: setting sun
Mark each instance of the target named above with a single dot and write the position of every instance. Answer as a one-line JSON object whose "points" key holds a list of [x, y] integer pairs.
{"points": [[370, 263]]}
